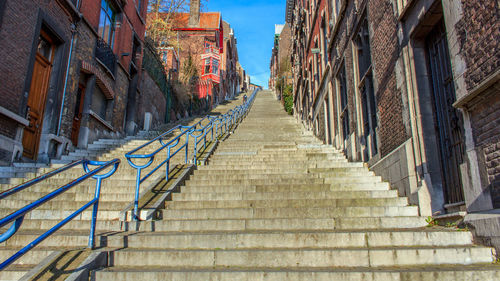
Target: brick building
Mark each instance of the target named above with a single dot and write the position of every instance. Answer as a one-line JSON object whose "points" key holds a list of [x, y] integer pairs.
{"points": [[201, 42], [280, 59], [230, 81], [32, 70], [411, 88], [73, 75]]}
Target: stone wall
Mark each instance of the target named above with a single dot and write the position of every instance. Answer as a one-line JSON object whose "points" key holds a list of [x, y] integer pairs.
{"points": [[151, 99], [486, 131], [385, 53], [479, 30]]}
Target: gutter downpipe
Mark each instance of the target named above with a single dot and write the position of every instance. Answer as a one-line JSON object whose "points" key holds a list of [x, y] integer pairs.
{"points": [[73, 31]]}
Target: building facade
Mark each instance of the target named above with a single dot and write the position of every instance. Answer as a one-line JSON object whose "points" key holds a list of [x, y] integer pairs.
{"points": [[201, 45], [410, 88], [72, 76], [230, 82], [280, 67]]}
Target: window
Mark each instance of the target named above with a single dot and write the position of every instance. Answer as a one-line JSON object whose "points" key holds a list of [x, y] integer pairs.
{"points": [[207, 66], [211, 66], [325, 42], [107, 23], [337, 5], [342, 92], [99, 103], [45, 47], [215, 66], [365, 89]]}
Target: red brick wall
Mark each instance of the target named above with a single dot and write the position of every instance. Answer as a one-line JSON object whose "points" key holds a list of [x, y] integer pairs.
{"points": [[130, 22], [479, 33], [385, 52], [16, 51]]}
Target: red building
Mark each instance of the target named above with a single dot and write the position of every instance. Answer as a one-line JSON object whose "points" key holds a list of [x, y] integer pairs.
{"points": [[201, 41]]}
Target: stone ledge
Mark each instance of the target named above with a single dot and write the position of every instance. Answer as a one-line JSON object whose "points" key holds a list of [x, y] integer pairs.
{"points": [[464, 101], [23, 121]]}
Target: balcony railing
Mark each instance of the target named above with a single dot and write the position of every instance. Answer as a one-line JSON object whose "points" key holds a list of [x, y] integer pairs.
{"points": [[213, 50], [105, 55]]}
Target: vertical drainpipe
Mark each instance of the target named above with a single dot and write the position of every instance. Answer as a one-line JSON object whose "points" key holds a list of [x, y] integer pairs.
{"points": [[73, 32]]}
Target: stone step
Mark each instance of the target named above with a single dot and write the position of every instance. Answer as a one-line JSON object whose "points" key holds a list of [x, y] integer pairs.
{"points": [[257, 166], [300, 258], [78, 225], [74, 196], [32, 258], [292, 163], [191, 187], [191, 196], [442, 273], [299, 212], [281, 170], [287, 203], [290, 240], [288, 178], [59, 205], [62, 214]]}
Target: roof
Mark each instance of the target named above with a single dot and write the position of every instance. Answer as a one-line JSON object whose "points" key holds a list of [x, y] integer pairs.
{"points": [[278, 28], [227, 29], [207, 20]]}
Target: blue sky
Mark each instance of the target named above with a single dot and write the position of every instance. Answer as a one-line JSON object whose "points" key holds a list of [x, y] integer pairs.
{"points": [[253, 23]]}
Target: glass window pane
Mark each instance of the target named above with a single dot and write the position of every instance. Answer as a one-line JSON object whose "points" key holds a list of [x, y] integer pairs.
{"points": [[102, 20], [99, 103], [44, 48], [106, 33]]}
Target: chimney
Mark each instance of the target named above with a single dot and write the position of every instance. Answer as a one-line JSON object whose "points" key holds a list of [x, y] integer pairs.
{"points": [[194, 13]]}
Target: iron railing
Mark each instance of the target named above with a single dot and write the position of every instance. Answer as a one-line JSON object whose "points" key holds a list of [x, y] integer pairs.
{"points": [[17, 217], [104, 53], [211, 127]]}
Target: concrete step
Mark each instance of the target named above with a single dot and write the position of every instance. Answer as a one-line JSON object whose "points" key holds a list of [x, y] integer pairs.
{"points": [[442, 273], [287, 203], [283, 224], [290, 240], [299, 212], [62, 214], [32, 258], [59, 205], [300, 258], [257, 166], [191, 196], [191, 187]]}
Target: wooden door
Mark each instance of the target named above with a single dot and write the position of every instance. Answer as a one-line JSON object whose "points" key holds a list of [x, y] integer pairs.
{"points": [[448, 121], [38, 95], [77, 118]]}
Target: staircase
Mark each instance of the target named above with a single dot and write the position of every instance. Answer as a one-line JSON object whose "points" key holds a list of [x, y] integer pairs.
{"points": [[117, 193], [275, 204]]}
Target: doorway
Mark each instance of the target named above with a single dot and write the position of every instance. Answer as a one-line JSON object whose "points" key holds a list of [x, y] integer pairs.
{"points": [[37, 97], [77, 117], [447, 120]]}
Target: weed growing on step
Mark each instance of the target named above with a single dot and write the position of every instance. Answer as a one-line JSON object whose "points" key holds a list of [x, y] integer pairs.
{"points": [[431, 222]]}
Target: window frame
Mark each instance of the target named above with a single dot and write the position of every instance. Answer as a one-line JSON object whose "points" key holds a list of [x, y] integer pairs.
{"points": [[106, 7]]}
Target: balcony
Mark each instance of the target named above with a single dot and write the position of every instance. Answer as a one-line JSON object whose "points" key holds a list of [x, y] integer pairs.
{"points": [[105, 55], [212, 50]]}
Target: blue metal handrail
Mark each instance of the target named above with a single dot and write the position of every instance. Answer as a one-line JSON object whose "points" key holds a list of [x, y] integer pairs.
{"points": [[198, 132], [17, 217]]}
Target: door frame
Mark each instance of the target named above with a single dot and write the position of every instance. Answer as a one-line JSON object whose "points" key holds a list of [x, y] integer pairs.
{"points": [[50, 62]]}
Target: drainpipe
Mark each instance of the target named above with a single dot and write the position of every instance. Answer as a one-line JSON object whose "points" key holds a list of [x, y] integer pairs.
{"points": [[73, 31]]}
